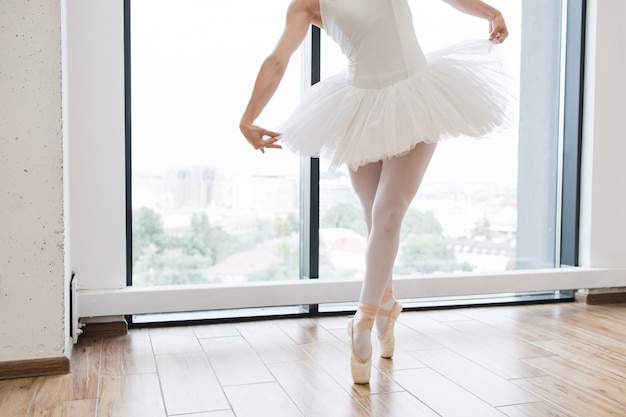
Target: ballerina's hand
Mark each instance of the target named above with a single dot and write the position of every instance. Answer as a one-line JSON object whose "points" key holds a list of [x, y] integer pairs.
{"points": [[497, 29], [260, 138]]}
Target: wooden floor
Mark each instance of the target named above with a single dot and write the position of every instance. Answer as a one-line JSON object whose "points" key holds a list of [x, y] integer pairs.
{"points": [[542, 360]]}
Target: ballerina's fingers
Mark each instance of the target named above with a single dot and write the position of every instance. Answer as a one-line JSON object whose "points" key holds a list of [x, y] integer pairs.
{"points": [[269, 143], [267, 139], [498, 30], [499, 36], [260, 138]]}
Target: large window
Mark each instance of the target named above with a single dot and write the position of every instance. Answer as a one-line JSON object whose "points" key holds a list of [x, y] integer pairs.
{"points": [[487, 205], [207, 209]]}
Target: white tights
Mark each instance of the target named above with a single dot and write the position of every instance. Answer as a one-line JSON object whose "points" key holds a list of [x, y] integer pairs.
{"points": [[385, 189]]}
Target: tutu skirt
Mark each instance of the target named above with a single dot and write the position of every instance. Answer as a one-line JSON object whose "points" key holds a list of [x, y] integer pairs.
{"points": [[461, 92]]}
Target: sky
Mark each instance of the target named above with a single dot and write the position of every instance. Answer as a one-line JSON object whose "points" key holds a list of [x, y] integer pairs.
{"points": [[193, 67]]}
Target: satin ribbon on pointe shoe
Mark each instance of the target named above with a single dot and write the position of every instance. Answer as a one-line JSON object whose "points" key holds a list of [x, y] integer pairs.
{"points": [[387, 339]]}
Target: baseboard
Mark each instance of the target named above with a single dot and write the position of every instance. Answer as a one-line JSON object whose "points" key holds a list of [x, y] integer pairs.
{"points": [[34, 367], [105, 329], [602, 296]]}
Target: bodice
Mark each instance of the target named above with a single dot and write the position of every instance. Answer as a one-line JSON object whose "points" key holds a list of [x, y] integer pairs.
{"points": [[377, 37]]}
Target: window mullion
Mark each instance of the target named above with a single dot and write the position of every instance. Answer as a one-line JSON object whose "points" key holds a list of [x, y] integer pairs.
{"points": [[313, 178], [572, 130]]}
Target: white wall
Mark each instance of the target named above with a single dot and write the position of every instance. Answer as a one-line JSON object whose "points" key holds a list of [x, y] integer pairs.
{"points": [[603, 199], [33, 277]]}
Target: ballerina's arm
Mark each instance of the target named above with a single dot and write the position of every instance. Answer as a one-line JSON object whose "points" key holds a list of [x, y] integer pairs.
{"points": [[271, 73], [497, 28]]}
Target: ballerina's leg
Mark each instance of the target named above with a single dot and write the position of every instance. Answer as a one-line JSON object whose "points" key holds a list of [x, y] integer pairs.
{"points": [[386, 189]]}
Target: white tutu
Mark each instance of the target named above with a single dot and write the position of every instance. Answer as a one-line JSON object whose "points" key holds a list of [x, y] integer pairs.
{"points": [[461, 92]]}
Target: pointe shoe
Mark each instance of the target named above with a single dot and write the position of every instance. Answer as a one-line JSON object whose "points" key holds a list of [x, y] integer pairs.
{"points": [[361, 369], [388, 340]]}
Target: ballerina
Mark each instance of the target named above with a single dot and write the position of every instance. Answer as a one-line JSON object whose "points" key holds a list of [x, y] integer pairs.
{"points": [[382, 118]]}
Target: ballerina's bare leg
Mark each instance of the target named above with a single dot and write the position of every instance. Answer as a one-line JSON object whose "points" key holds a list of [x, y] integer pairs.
{"points": [[385, 189]]}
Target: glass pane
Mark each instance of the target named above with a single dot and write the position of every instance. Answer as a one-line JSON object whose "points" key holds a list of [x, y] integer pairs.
{"points": [[473, 211], [207, 208]]}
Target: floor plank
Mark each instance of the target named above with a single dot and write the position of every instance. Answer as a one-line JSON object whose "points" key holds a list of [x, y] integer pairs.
{"points": [[77, 408], [224, 413], [611, 329], [540, 409], [487, 336], [510, 322], [16, 395], [314, 391], [271, 343], [235, 362], [497, 361], [215, 330], [424, 324], [401, 360], [445, 316], [137, 395], [594, 355], [587, 378], [130, 354], [261, 400], [304, 331], [82, 381], [408, 339], [571, 398], [484, 384], [174, 340], [395, 404], [332, 322], [437, 391], [189, 384]]}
